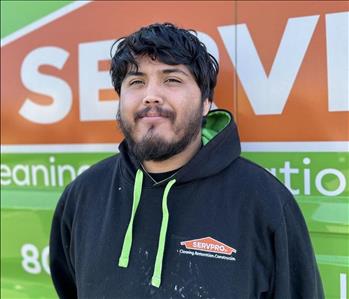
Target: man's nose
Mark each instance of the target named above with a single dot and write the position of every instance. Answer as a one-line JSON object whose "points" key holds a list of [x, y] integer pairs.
{"points": [[153, 96]]}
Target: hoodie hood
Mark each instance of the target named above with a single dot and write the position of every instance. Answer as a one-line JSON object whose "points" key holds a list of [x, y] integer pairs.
{"points": [[221, 146]]}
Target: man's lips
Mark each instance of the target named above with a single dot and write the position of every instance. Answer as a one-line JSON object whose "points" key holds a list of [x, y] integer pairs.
{"points": [[153, 118], [151, 114], [154, 114]]}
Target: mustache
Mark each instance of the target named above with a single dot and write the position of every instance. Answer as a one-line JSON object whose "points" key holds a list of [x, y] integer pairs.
{"points": [[162, 112]]}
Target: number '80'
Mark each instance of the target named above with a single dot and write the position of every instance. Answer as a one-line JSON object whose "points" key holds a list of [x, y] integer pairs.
{"points": [[32, 261]]}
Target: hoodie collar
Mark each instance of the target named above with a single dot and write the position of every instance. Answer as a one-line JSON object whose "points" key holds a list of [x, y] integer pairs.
{"points": [[221, 147]]}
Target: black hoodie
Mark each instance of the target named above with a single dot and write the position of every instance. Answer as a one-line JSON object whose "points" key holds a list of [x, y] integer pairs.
{"points": [[220, 227]]}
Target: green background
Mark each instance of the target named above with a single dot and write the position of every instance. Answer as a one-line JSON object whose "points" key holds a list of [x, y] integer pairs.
{"points": [[26, 217]]}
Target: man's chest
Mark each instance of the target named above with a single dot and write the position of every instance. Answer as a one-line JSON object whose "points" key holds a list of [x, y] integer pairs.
{"points": [[207, 254]]}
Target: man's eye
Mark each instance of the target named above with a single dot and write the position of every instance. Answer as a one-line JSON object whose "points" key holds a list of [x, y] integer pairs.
{"points": [[173, 80], [136, 82]]}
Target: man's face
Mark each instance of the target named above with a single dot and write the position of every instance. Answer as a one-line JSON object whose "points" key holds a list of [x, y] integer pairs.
{"points": [[160, 109]]}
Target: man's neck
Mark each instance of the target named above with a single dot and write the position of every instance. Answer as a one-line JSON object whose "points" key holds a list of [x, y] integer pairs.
{"points": [[176, 161]]}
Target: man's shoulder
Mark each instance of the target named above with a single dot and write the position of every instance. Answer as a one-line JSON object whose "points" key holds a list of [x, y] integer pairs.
{"points": [[260, 192], [256, 173], [97, 173], [91, 181], [103, 166], [258, 181]]}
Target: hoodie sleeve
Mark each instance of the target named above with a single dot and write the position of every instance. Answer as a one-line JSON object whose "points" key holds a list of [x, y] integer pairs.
{"points": [[296, 271], [61, 266]]}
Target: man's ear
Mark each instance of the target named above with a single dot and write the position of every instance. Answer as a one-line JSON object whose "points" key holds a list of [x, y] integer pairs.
{"points": [[207, 107]]}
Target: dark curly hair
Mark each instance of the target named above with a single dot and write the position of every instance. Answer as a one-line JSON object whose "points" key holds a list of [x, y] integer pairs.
{"points": [[170, 45]]}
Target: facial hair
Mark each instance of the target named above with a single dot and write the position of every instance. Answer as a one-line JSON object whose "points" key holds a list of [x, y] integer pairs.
{"points": [[153, 147]]}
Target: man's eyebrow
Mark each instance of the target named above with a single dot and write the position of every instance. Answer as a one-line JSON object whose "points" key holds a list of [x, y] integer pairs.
{"points": [[174, 70], [134, 73], [164, 71]]}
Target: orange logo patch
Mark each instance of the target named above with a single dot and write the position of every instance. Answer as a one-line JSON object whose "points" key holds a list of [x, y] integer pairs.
{"points": [[210, 245]]}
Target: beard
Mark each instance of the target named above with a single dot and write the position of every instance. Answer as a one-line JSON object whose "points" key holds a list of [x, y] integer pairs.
{"points": [[153, 147]]}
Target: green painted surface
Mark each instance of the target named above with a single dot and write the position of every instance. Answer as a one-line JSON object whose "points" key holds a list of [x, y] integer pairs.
{"points": [[309, 174], [27, 207], [24, 260], [17, 14], [30, 194], [44, 171]]}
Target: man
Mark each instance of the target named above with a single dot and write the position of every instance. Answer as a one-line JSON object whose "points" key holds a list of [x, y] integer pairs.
{"points": [[178, 213]]}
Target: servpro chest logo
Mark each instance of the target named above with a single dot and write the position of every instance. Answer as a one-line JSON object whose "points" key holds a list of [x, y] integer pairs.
{"points": [[214, 248]]}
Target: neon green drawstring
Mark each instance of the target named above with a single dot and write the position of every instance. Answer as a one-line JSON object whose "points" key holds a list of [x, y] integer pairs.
{"points": [[156, 279], [126, 247]]}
